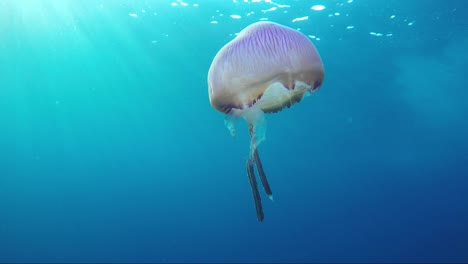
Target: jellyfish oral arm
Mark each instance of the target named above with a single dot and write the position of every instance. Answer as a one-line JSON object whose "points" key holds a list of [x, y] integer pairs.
{"points": [[254, 159], [256, 194], [261, 174]]}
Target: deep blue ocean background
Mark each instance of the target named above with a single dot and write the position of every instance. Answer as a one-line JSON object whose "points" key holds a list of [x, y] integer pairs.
{"points": [[111, 152]]}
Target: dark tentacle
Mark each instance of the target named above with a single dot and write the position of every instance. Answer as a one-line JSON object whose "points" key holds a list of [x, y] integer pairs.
{"points": [[255, 192], [261, 174], [256, 159]]}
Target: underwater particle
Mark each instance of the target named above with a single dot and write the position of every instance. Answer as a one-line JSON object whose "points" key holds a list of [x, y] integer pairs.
{"points": [[182, 3], [300, 18], [270, 9], [349, 27], [392, 16], [246, 82], [411, 23], [214, 22], [376, 34], [235, 16], [318, 7], [133, 15]]}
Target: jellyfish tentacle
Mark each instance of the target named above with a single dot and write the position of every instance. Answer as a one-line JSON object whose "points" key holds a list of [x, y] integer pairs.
{"points": [[255, 157], [255, 192], [229, 123], [261, 174], [253, 141]]}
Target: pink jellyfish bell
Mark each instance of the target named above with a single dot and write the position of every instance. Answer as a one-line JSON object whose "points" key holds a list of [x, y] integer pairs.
{"points": [[266, 68]]}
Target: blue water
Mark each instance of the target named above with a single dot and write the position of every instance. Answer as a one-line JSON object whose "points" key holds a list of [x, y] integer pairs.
{"points": [[110, 150]]}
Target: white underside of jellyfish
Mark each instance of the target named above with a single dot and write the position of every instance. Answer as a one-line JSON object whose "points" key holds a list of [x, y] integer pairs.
{"points": [[275, 94]]}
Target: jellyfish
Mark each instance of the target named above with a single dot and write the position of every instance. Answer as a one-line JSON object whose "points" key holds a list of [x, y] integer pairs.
{"points": [[267, 67]]}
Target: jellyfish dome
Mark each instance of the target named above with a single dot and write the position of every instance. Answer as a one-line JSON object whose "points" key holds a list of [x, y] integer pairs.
{"points": [[264, 69]]}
